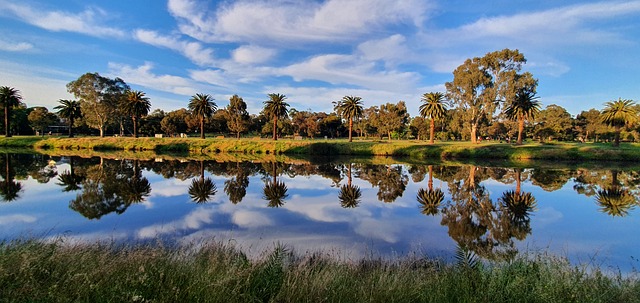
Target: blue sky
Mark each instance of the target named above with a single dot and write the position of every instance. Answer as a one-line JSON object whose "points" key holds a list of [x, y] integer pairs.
{"points": [[584, 53]]}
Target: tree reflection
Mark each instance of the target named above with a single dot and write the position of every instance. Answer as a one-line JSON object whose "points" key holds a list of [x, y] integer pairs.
{"points": [[516, 207], [236, 187], [430, 199], [477, 224], [69, 180], [109, 187], [275, 191], [203, 188], [350, 194], [390, 180], [137, 187], [615, 200], [9, 188]]}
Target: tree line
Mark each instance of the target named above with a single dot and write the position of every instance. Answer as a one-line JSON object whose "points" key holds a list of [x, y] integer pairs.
{"points": [[489, 98]]}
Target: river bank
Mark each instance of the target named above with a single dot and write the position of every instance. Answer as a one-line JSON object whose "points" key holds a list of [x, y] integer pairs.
{"points": [[61, 271], [418, 150]]}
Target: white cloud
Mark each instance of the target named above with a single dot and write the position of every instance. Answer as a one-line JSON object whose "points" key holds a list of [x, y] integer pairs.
{"points": [[251, 219], [85, 22], [143, 76], [15, 47], [279, 21], [346, 69], [192, 221], [559, 26], [251, 54], [18, 218], [194, 51]]}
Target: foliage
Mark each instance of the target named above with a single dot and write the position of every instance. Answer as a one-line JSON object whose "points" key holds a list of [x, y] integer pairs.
{"points": [[202, 107], [70, 110], [433, 108], [136, 105], [9, 98], [40, 118], [618, 114], [99, 98], [523, 107], [237, 115], [276, 108], [350, 107]]}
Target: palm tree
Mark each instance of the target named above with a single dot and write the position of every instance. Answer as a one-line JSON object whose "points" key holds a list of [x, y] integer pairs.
{"points": [[350, 107], [276, 108], [275, 191], [523, 107], [433, 108], [203, 188], [9, 98], [136, 105], [202, 106], [350, 194], [618, 114], [70, 110], [430, 199]]}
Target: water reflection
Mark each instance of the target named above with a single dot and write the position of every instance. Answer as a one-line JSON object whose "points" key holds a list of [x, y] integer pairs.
{"points": [[110, 186], [350, 194], [9, 188], [492, 211], [201, 190], [274, 191]]}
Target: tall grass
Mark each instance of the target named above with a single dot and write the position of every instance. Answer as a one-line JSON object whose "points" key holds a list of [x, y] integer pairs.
{"points": [[34, 271]]}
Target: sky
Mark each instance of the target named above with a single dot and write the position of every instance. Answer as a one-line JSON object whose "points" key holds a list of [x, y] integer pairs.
{"points": [[584, 53]]}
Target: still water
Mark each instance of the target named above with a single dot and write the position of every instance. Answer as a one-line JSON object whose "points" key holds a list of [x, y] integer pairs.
{"points": [[351, 210]]}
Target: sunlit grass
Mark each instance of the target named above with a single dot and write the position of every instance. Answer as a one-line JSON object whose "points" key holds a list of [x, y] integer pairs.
{"points": [[420, 150], [33, 271]]}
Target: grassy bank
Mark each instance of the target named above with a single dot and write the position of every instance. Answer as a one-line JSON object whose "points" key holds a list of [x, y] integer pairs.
{"points": [[414, 149], [32, 271]]}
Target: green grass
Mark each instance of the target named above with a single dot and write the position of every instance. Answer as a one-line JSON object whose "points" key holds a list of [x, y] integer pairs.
{"points": [[33, 271], [401, 148]]}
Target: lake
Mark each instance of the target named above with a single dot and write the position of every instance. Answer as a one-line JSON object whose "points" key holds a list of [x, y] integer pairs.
{"points": [[352, 209]]}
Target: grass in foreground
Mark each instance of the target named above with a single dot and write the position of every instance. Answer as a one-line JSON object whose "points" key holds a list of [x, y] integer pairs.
{"points": [[32, 271]]}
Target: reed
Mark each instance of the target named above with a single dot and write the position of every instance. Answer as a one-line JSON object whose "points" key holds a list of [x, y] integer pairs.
{"points": [[62, 271]]}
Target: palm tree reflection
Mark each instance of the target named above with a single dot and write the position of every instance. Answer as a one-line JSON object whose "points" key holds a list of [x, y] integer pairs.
{"points": [[203, 188], [275, 191], [9, 188], [350, 194], [236, 188], [430, 199], [69, 180], [615, 200]]}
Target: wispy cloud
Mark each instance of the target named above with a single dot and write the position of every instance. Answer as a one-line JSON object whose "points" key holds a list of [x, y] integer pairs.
{"points": [[85, 22], [143, 75], [285, 21], [193, 51], [564, 25], [15, 46]]}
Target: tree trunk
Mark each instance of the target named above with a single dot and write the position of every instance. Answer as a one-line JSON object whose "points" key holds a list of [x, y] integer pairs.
{"points": [[432, 129], [520, 130], [238, 135], [275, 127], [474, 130], [616, 141], [389, 134], [517, 180], [6, 121], [202, 127], [135, 126], [70, 128], [101, 128], [430, 178], [350, 128]]}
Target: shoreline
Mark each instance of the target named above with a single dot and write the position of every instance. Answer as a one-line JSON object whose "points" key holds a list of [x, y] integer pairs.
{"points": [[416, 150]]}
